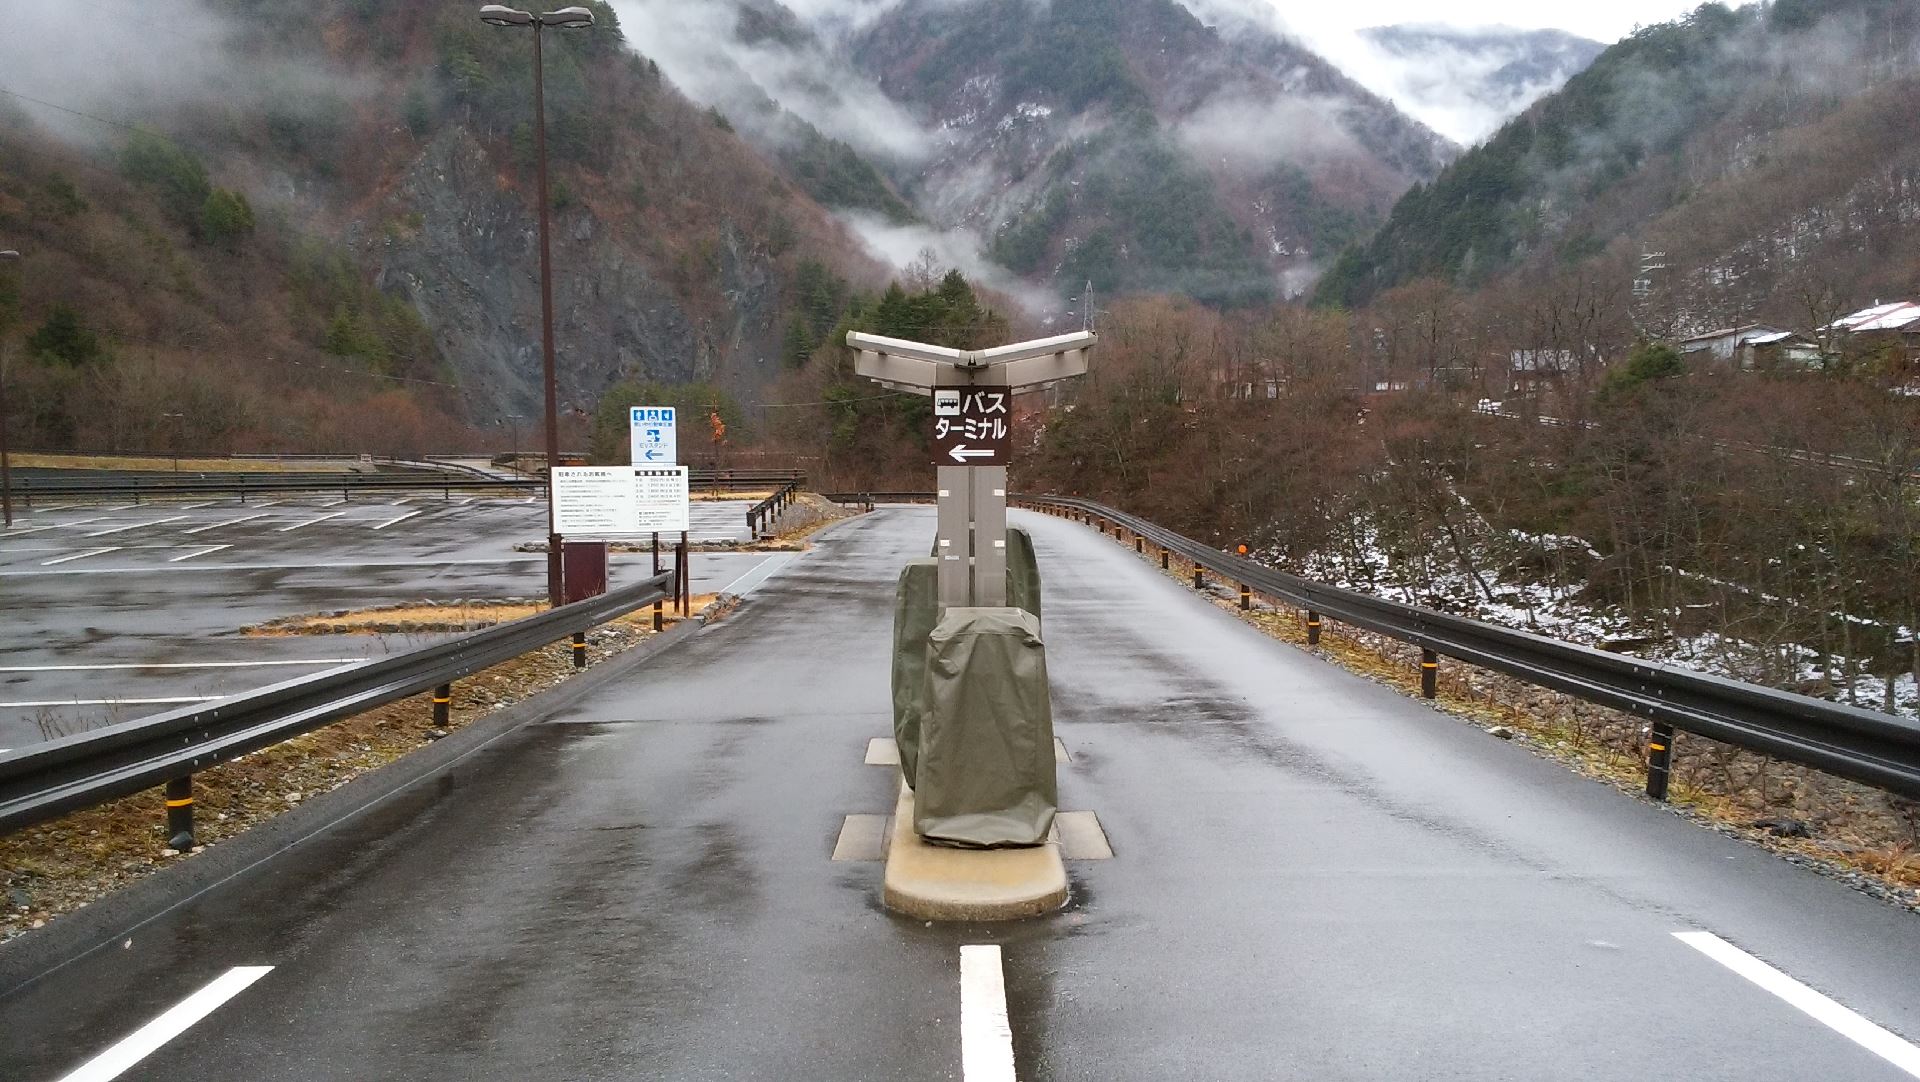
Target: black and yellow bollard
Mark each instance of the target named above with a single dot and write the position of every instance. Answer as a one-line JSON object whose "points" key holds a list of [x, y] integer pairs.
{"points": [[1429, 674], [442, 705], [180, 814], [579, 649], [1246, 597], [1139, 544], [1199, 579], [1659, 760], [1313, 628], [1165, 556]]}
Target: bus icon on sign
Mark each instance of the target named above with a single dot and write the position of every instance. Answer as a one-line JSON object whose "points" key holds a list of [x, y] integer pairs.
{"points": [[946, 403]]}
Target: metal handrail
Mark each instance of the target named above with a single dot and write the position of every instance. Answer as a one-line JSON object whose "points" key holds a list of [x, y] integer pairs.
{"points": [[41, 781], [1878, 749]]}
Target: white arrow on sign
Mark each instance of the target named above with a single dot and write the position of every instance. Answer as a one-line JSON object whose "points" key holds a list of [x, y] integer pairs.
{"points": [[962, 453]]}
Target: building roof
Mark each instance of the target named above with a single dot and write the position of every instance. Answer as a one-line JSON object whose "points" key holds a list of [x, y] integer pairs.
{"points": [[1898, 316]]}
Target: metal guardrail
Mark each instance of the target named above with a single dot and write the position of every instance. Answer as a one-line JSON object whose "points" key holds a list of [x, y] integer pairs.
{"points": [[1878, 749], [347, 484], [42, 781], [763, 515]]}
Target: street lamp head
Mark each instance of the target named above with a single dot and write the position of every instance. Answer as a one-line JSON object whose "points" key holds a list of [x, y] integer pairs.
{"points": [[567, 18], [501, 15]]}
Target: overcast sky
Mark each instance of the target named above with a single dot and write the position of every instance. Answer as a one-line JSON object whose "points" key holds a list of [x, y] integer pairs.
{"points": [[1602, 20]]}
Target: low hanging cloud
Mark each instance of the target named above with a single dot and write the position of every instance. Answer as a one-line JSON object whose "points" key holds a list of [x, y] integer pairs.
{"points": [[130, 62], [700, 49], [902, 245], [1253, 133]]}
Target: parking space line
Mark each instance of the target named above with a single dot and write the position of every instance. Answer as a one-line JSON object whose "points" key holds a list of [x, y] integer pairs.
{"points": [[197, 552], [986, 1036], [229, 522], [391, 521], [80, 555], [183, 665], [311, 521], [80, 521], [1880, 1042], [197, 506], [330, 503], [135, 526], [269, 503], [166, 701], [144, 1041], [55, 507], [15, 531], [403, 501]]}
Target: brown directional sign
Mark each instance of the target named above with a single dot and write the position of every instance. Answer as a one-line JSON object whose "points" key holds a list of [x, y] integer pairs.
{"points": [[972, 425]]}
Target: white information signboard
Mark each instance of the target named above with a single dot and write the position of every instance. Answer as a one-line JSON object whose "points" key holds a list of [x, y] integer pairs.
{"points": [[654, 435], [593, 501], [660, 499]]}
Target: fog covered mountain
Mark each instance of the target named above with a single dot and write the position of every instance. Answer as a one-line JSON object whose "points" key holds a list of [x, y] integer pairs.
{"points": [[1465, 83], [1126, 143]]}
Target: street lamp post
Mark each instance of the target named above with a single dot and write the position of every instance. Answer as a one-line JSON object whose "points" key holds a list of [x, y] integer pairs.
{"points": [[514, 419], [563, 19], [6, 470]]}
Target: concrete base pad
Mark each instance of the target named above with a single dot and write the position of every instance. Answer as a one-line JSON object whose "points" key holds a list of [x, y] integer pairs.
{"points": [[934, 882]]}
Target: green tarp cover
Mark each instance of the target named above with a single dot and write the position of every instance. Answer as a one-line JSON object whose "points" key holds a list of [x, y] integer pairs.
{"points": [[1023, 572], [916, 609], [985, 770]]}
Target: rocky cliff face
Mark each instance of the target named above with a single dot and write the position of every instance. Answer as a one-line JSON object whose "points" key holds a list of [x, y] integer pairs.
{"points": [[467, 256]]}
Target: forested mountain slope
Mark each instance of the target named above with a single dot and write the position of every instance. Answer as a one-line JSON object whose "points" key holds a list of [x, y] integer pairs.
{"points": [[293, 222], [1762, 149]]}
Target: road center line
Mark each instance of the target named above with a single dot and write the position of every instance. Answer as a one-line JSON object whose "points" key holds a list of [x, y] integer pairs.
{"points": [[229, 522], [80, 555], [142, 1042], [391, 521], [986, 1036], [311, 521], [184, 665], [1880, 1042], [135, 526], [196, 552]]}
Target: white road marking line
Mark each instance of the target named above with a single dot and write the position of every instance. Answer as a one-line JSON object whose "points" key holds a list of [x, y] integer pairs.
{"points": [[268, 503], [15, 531], [81, 521], [330, 503], [55, 507], [403, 501], [1880, 1042], [229, 522], [197, 552], [197, 506], [135, 526], [342, 565], [142, 1042], [311, 521], [391, 521], [184, 665], [174, 700], [986, 1037], [80, 555]]}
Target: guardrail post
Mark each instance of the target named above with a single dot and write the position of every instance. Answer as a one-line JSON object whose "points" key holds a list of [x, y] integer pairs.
{"points": [[442, 705], [180, 814], [1659, 760], [1313, 628], [579, 649], [1246, 597], [1429, 674]]}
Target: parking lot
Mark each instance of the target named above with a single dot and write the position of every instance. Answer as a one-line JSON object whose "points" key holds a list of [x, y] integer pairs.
{"points": [[111, 611]]}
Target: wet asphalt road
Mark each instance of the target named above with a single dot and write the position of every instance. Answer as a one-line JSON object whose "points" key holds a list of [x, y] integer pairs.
{"points": [[1314, 878], [84, 587]]}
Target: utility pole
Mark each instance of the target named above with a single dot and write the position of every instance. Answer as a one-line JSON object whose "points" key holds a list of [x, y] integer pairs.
{"points": [[565, 18]]}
